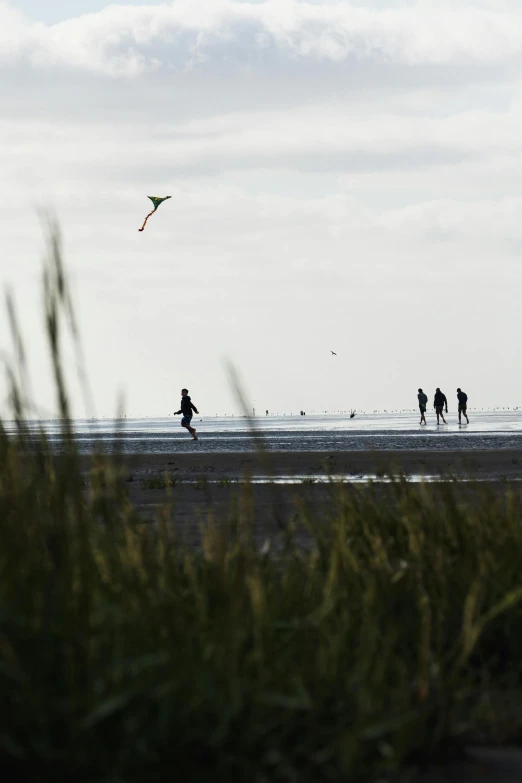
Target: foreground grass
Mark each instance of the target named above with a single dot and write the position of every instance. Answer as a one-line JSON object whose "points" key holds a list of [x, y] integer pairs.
{"points": [[124, 655], [127, 656]]}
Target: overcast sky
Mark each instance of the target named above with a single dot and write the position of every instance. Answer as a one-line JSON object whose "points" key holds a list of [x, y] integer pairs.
{"points": [[344, 176]]}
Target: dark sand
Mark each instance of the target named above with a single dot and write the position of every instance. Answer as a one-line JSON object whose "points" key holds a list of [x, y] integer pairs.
{"points": [[481, 464], [206, 485], [481, 765]]}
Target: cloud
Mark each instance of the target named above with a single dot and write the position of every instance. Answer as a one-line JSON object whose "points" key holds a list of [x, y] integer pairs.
{"points": [[197, 35], [328, 137]]}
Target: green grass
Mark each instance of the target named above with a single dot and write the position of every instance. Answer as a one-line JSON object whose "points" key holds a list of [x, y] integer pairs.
{"points": [[125, 655], [159, 482], [201, 484], [225, 482]]}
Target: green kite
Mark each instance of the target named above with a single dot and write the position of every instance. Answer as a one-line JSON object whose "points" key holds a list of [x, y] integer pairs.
{"points": [[156, 200]]}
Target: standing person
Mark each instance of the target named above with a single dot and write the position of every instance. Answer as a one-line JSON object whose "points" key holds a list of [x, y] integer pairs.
{"points": [[423, 401], [439, 403], [463, 404], [186, 409]]}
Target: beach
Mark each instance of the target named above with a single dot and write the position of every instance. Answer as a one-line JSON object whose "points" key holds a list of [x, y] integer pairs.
{"points": [[280, 486], [324, 433], [484, 464], [260, 409]]}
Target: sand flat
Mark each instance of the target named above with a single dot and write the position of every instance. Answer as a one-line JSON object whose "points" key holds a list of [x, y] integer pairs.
{"points": [[480, 464], [209, 486]]}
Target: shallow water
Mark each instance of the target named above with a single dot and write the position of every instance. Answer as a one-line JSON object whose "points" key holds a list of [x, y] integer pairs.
{"points": [[381, 431], [363, 478]]}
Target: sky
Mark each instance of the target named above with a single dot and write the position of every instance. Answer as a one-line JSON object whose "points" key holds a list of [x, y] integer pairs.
{"points": [[344, 176]]}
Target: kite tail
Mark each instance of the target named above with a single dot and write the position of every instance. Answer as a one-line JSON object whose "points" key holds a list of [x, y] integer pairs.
{"points": [[145, 221]]}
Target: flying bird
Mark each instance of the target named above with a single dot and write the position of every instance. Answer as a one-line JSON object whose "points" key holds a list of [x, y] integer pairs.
{"points": [[333, 353], [156, 200]]}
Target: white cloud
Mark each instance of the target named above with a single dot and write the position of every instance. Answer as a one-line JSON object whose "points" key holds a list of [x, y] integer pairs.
{"points": [[127, 41]]}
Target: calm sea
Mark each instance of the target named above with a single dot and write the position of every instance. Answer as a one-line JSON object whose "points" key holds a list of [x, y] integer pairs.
{"points": [[487, 430]]}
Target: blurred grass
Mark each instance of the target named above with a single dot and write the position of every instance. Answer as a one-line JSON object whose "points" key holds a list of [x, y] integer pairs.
{"points": [[125, 655], [156, 482]]}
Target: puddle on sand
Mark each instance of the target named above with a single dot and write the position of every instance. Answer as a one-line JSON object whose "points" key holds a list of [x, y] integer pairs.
{"points": [[342, 479]]}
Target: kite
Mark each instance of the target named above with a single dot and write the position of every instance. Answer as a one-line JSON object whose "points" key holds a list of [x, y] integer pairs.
{"points": [[156, 200]]}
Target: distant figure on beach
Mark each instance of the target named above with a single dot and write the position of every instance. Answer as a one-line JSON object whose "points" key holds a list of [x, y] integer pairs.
{"points": [[423, 401], [352, 414], [463, 404], [439, 403], [186, 409]]}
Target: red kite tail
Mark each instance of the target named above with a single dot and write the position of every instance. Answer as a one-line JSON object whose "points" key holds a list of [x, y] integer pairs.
{"points": [[145, 221]]}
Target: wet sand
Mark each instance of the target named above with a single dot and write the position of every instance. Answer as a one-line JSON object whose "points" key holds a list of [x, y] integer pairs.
{"points": [[209, 487], [480, 464]]}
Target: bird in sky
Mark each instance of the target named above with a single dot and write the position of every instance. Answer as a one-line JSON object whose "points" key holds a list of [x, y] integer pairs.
{"points": [[333, 353]]}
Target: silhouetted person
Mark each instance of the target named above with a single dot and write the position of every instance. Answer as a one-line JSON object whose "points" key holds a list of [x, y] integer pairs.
{"points": [[463, 404], [439, 403], [423, 401], [186, 409]]}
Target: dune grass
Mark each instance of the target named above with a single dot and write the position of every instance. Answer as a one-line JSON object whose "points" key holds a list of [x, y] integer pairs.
{"points": [[125, 655]]}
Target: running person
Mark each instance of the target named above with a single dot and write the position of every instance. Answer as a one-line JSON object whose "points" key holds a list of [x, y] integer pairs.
{"points": [[463, 404], [186, 409], [423, 401], [439, 403]]}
